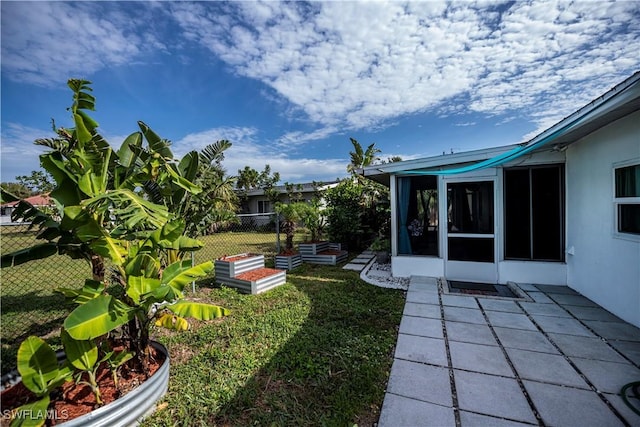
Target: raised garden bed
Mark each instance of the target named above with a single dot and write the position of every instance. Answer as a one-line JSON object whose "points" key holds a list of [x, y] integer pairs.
{"points": [[246, 272], [307, 249], [231, 266], [288, 262], [328, 257], [256, 281]]}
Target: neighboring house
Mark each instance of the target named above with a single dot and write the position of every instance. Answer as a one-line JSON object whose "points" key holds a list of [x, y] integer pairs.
{"points": [[39, 201], [561, 209], [257, 202]]}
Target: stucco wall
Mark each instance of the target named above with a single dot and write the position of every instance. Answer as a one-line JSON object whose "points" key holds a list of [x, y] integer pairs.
{"points": [[605, 267]]}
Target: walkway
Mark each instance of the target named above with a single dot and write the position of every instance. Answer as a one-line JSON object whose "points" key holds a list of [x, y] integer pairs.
{"points": [[461, 360]]}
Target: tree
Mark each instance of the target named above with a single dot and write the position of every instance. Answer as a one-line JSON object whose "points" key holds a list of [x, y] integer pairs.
{"points": [[218, 201], [17, 189], [291, 215], [247, 179], [38, 182], [251, 179], [294, 191], [361, 158]]}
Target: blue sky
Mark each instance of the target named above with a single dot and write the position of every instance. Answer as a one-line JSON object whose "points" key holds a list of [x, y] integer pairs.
{"points": [[289, 83]]}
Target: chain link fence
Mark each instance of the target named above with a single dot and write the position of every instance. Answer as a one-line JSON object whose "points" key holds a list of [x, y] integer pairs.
{"points": [[29, 305]]}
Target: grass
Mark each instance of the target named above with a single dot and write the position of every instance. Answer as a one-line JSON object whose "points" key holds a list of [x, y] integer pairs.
{"points": [[315, 351]]}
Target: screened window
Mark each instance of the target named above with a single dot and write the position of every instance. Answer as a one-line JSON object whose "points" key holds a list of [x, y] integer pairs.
{"points": [[534, 213], [470, 221], [418, 215], [627, 199]]}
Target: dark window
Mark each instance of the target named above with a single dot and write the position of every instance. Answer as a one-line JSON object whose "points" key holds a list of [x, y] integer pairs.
{"points": [[628, 199], [628, 181], [263, 206], [470, 207], [534, 213]]}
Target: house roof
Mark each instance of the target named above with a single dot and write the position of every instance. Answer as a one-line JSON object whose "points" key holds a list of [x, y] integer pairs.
{"points": [[37, 200], [307, 187], [621, 100]]}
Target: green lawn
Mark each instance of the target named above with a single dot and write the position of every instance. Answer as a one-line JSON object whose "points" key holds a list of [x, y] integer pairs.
{"points": [[315, 351]]}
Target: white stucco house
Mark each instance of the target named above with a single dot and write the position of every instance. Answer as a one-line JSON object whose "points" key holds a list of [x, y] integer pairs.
{"points": [[560, 209]]}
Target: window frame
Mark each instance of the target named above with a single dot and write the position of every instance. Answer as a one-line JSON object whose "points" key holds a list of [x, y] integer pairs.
{"points": [[261, 206], [620, 201]]}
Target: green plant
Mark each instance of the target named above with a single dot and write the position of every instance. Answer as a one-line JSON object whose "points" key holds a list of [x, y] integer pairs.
{"points": [[41, 374], [291, 214], [314, 221], [381, 244], [110, 210], [345, 213]]}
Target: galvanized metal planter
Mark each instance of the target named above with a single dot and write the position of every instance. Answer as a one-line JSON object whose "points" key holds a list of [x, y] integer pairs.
{"points": [[231, 266], [326, 258], [322, 253], [312, 248], [279, 277], [127, 410], [288, 262], [229, 271]]}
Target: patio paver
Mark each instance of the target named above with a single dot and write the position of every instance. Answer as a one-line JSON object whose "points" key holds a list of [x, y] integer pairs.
{"points": [[560, 362], [576, 408]]}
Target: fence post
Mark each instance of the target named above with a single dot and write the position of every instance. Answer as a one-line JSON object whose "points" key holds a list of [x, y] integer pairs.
{"points": [[277, 233]]}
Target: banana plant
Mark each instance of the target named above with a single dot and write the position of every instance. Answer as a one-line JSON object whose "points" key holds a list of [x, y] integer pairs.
{"points": [[115, 359], [41, 374], [106, 213], [83, 356]]}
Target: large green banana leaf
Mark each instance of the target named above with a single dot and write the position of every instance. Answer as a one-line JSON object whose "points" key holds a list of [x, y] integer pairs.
{"points": [[91, 289], [138, 286], [181, 273], [132, 209], [32, 414], [82, 354], [112, 249], [97, 317], [198, 310], [37, 364]]}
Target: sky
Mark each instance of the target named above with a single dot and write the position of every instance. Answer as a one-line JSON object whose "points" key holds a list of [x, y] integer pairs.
{"points": [[288, 84]]}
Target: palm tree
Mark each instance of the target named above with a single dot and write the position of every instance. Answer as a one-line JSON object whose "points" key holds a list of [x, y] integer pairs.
{"points": [[361, 158], [218, 201]]}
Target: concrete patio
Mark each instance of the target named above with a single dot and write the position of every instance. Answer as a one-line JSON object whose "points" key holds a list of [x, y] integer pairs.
{"points": [[464, 360]]}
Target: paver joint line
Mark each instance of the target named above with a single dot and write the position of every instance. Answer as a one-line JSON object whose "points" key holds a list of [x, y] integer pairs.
{"points": [[573, 365]]}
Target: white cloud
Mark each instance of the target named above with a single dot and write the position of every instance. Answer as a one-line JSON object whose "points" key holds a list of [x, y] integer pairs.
{"points": [[44, 43], [247, 151], [19, 153], [356, 65]]}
